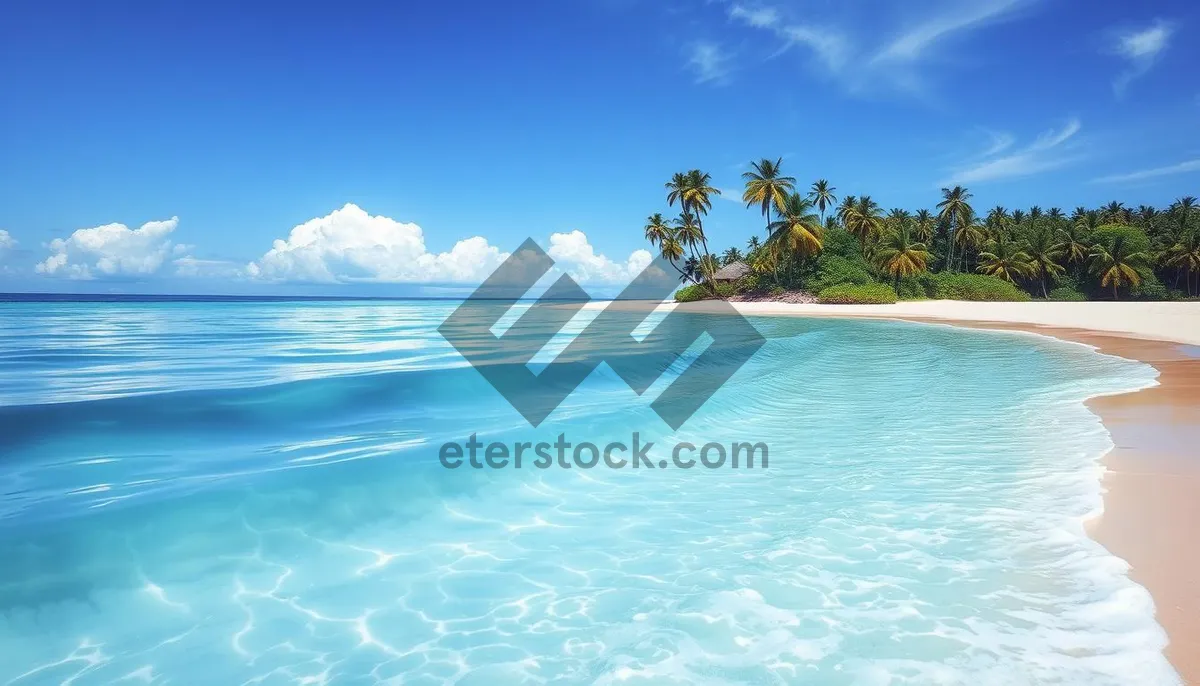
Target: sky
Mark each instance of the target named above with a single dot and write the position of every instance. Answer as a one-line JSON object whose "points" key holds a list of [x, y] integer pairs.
{"points": [[359, 148]]}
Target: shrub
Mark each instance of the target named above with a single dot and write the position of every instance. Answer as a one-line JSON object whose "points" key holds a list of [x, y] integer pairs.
{"points": [[851, 294], [1135, 238], [911, 288], [1151, 289], [694, 292], [979, 287], [751, 283], [1067, 294], [840, 243], [834, 270]]}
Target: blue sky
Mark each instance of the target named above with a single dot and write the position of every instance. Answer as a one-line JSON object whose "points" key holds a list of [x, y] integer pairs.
{"points": [[370, 148]]}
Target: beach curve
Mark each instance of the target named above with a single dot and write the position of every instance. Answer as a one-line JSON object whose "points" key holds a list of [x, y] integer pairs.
{"points": [[1149, 475]]}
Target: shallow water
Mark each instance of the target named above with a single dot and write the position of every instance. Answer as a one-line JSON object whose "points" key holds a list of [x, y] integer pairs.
{"points": [[251, 493]]}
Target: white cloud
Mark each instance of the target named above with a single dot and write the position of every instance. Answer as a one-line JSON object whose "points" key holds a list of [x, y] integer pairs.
{"points": [[572, 252], [958, 18], [843, 40], [110, 250], [758, 17], [7, 242], [1141, 50], [349, 245], [1142, 175], [708, 61], [1049, 151]]}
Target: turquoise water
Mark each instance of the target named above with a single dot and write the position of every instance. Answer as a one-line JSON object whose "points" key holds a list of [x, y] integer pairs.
{"points": [[250, 493]]}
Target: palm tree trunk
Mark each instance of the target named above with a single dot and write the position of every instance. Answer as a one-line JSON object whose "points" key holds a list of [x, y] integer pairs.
{"points": [[1044, 293], [950, 246]]}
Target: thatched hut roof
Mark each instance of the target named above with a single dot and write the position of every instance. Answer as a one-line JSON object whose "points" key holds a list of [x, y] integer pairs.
{"points": [[732, 271]]}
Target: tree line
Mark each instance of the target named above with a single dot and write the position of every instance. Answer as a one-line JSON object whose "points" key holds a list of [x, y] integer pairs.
{"points": [[813, 240]]}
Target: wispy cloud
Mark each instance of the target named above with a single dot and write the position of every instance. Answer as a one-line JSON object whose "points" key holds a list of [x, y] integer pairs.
{"points": [[959, 19], [1141, 49], [1050, 150], [907, 46], [709, 62], [827, 43], [1144, 174]]}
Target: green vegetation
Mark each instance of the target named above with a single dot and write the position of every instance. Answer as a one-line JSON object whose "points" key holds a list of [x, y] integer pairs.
{"points": [[979, 287], [815, 242], [849, 294]]}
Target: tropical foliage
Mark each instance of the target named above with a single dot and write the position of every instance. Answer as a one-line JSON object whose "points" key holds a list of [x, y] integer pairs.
{"points": [[817, 242]]}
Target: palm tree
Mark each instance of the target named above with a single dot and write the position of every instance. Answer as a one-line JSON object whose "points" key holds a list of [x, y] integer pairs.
{"points": [[1072, 243], [691, 270], [752, 244], [657, 229], [672, 249], [1004, 258], [1146, 215], [1183, 209], [731, 255], [798, 232], [822, 196], [923, 226], [708, 266], [898, 216], [951, 210], [970, 237], [1113, 213], [677, 191], [1118, 264], [1044, 255], [766, 186], [688, 232], [997, 218], [693, 191], [1055, 214], [900, 255], [1089, 220], [1018, 217], [846, 209], [698, 192], [1185, 256], [864, 221], [1035, 214]]}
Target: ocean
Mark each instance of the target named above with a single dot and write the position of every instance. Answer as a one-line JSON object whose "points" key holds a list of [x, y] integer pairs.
{"points": [[251, 492]]}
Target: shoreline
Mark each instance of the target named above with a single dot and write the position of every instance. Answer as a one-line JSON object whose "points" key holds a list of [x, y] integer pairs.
{"points": [[1150, 477]]}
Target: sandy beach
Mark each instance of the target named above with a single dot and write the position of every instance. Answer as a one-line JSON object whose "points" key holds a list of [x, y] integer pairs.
{"points": [[1151, 509]]}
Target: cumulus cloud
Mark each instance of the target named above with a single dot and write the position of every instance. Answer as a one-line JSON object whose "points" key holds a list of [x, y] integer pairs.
{"points": [[350, 245], [1141, 50], [111, 250], [572, 252], [7, 242]]}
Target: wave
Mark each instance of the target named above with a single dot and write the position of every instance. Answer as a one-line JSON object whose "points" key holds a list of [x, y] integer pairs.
{"points": [[920, 522]]}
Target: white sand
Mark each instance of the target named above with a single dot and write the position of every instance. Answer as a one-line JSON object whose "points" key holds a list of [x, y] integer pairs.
{"points": [[1178, 322]]}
